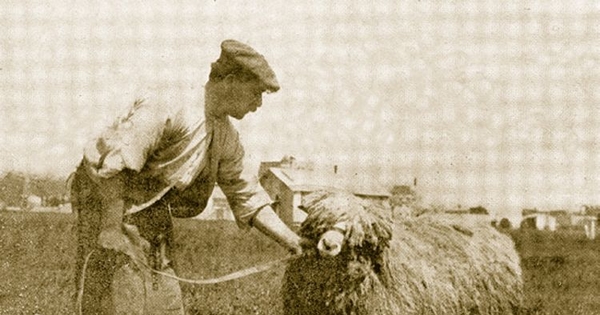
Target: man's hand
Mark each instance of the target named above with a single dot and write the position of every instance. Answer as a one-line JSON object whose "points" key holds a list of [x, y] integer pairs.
{"points": [[115, 239], [295, 247], [267, 221], [115, 235]]}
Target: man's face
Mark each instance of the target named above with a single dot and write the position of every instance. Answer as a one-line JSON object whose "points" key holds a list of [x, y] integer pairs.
{"points": [[243, 97]]}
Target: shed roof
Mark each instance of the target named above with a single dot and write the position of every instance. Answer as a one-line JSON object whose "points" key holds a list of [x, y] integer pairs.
{"points": [[310, 180]]}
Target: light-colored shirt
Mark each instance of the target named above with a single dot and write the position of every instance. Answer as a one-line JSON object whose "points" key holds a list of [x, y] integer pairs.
{"points": [[172, 151]]}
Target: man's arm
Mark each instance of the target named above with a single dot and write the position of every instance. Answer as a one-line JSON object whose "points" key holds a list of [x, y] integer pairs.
{"points": [[113, 234], [125, 145], [248, 200], [269, 223]]}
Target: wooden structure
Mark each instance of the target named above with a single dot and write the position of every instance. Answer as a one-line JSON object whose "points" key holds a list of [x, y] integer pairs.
{"points": [[288, 186]]}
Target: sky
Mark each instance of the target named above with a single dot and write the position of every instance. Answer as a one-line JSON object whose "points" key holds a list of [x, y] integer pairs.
{"points": [[485, 102]]}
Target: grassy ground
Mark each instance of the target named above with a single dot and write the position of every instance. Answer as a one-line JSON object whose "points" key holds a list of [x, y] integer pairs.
{"points": [[38, 250], [561, 270]]}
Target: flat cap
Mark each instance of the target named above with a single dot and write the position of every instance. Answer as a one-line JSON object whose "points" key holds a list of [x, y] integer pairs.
{"points": [[237, 56]]}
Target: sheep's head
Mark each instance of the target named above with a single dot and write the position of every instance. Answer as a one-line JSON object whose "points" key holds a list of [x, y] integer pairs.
{"points": [[355, 231], [365, 227], [350, 268]]}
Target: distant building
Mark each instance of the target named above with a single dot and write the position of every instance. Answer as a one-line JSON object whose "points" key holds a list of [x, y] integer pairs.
{"points": [[286, 162], [591, 210], [529, 211], [545, 220], [590, 227], [539, 221], [588, 222], [404, 199], [288, 187], [22, 190]]}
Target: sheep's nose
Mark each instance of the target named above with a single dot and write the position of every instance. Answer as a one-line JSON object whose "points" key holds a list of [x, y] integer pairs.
{"points": [[330, 243], [330, 246]]}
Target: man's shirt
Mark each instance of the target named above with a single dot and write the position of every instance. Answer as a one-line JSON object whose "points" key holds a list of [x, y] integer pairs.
{"points": [[171, 151]]}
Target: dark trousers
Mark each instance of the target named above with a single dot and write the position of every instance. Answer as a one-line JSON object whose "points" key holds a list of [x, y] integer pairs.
{"points": [[112, 284]]}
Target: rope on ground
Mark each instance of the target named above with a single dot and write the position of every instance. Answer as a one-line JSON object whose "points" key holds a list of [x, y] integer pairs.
{"points": [[232, 276]]}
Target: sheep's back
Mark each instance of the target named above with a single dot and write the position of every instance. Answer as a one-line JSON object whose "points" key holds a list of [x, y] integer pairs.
{"points": [[454, 265]]}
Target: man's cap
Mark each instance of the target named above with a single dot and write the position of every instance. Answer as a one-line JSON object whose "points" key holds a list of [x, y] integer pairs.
{"points": [[237, 56]]}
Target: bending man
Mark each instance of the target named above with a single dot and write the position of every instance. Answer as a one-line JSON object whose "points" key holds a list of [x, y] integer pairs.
{"points": [[159, 161]]}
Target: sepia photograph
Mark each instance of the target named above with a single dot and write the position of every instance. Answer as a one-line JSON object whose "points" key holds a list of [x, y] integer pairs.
{"points": [[299, 157]]}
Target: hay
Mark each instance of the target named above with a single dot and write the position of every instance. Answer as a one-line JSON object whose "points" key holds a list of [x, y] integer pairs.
{"points": [[423, 265]]}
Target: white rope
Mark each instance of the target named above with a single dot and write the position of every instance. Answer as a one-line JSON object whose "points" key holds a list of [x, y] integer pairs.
{"points": [[232, 276], [82, 283]]}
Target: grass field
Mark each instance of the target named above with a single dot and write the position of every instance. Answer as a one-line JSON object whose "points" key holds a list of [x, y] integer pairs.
{"points": [[561, 270]]}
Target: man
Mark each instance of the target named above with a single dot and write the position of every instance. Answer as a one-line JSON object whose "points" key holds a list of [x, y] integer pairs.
{"points": [[162, 160]]}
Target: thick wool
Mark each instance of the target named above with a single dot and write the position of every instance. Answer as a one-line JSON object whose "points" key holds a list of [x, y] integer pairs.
{"points": [[432, 264]]}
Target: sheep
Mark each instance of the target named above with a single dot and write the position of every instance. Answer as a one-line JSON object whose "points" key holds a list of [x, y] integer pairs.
{"points": [[422, 265]]}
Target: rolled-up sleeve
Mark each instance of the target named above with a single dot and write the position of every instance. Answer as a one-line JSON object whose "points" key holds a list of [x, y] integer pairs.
{"points": [[244, 193], [128, 142]]}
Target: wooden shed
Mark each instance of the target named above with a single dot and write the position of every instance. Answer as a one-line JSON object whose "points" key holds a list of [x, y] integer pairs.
{"points": [[288, 187]]}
